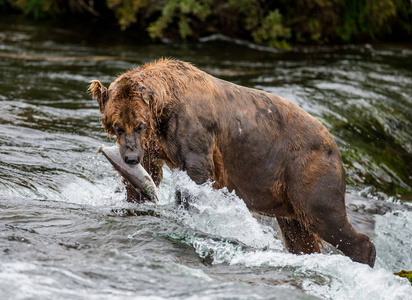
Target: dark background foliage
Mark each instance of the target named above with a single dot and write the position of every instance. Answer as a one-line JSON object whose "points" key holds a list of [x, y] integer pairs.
{"points": [[276, 23]]}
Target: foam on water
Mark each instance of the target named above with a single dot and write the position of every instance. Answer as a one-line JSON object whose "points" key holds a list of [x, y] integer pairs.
{"points": [[106, 191], [33, 281], [102, 187], [223, 214], [341, 278], [393, 240]]}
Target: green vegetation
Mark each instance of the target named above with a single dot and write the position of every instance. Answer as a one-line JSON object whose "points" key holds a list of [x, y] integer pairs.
{"points": [[276, 23], [182, 12], [406, 274], [36, 8]]}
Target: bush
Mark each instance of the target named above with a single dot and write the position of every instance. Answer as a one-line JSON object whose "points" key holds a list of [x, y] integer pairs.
{"points": [[275, 23]]}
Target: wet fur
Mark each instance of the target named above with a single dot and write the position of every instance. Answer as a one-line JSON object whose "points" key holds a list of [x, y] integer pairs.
{"points": [[280, 160]]}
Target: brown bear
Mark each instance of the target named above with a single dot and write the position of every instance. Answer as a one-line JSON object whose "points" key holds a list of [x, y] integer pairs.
{"points": [[280, 160]]}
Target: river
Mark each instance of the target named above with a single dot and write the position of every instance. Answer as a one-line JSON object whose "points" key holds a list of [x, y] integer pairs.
{"points": [[66, 231]]}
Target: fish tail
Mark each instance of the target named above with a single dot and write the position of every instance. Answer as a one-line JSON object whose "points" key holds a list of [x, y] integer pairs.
{"points": [[98, 150]]}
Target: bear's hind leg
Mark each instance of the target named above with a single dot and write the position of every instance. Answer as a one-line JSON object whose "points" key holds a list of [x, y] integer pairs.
{"points": [[321, 208], [298, 239], [336, 230]]}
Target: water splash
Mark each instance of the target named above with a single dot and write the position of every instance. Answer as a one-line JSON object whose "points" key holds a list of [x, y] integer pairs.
{"points": [[221, 213], [342, 278]]}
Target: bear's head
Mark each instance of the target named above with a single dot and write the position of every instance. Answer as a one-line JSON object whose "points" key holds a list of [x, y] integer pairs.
{"points": [[126, 113]]}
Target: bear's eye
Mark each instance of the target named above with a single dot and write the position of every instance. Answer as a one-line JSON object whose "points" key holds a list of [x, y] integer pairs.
{"points": [[118, 129], [139, 127]]}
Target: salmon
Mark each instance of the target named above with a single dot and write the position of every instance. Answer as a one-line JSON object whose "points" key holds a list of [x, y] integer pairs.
{"points": [[135, 174]]}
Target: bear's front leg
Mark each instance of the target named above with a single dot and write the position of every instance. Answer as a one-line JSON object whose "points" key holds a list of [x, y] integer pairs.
{"points": [[190, 146], [198, 166]]}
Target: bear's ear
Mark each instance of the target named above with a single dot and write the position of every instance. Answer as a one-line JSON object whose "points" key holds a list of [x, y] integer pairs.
{"points": [[99, 91], [146, 94]]}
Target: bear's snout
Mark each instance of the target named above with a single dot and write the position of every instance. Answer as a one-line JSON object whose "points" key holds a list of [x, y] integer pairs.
{"points": [[132, 159]]}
